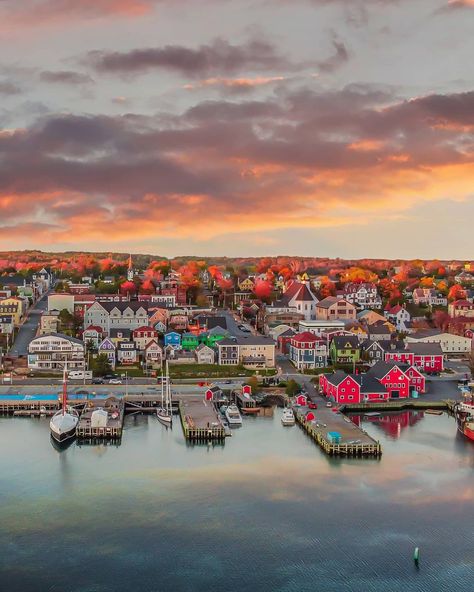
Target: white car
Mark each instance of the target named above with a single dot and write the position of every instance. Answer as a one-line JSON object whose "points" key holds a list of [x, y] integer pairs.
{"points": [[328, 404], [115, 381]]}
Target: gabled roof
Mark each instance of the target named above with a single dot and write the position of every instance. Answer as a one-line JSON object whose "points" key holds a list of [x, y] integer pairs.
{"points": [[338, 377], [381, 369], [425, 349], [340, 341], [304, 337]]}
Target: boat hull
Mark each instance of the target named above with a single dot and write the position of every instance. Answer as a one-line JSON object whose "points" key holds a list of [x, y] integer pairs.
{"points": [[164, 417], [63, 427]]}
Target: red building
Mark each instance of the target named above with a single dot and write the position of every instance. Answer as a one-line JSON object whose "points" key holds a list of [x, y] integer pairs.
{"points": [[384, 381], [283, 341], [427, 357]]}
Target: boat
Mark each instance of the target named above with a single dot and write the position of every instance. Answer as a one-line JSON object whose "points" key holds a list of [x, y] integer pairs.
{"points": [[372, 414], [164, 413], [288, 417], [233, 416], [63, 424], [434, 412], [250, 410], [464, 413]]}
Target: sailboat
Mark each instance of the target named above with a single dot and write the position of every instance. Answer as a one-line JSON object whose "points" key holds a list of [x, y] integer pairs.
{"points": [[63, 424], [164, 413]]}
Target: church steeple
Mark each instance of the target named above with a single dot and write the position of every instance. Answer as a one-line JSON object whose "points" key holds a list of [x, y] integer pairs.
{"points": [[130, 272]]}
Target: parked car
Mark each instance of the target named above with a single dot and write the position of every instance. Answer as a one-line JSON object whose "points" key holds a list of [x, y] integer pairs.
{"points": [[312, 405], [115, 381], [328, 404], [98, 381]]}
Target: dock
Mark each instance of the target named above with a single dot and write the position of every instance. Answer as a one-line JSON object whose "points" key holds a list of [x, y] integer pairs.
{"points": [[200, 420], [352, 440], [101, 420]]}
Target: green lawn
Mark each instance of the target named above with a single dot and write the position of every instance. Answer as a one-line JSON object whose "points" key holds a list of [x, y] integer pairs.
{"points": [[213, 371]]}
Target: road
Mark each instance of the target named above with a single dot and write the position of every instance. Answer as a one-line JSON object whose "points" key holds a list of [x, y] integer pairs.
{"points": [[29, 327], [232, 324]]}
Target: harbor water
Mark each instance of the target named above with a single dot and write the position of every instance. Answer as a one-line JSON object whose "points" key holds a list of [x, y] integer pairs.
{"points": [[266, 511]]}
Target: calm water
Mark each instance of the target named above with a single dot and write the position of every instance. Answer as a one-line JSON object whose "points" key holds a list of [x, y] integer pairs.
{"points": [[265, 512]]}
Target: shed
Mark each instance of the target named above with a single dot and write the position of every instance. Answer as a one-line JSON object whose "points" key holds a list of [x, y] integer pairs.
{"points": [[99, 418]]}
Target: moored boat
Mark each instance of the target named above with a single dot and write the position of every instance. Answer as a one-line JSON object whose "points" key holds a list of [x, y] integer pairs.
{"points": [[164, 413], [464, 413], [63, 424], [233, 416], [288, 417]]}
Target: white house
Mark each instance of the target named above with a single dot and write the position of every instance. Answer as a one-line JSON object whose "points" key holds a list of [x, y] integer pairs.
{"points": [[56, 352], [450, 343], [398, 316], [204, 354], [362, 295]]}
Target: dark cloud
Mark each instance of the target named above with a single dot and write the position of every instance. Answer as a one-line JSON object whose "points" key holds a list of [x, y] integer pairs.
{"points": [[215, 59], [65, 77], [335, 61], [9, 88], [233, 162]]}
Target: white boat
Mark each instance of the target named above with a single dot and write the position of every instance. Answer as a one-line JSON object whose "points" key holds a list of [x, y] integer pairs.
{"points": [[63, 424], [233, 416], [164, 413], [288, 417]]}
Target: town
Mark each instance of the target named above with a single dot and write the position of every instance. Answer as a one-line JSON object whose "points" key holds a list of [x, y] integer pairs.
{"points": [[357, 333]]}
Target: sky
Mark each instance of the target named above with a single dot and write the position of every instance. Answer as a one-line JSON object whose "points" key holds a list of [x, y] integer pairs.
{"points": [[238, 127]]}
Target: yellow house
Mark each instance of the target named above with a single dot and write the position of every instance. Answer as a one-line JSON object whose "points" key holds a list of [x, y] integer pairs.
{"points": [[13, 306], [246, 285]]}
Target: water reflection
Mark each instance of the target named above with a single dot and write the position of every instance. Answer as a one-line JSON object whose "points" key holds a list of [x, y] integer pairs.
{"points": [[392, 424]]}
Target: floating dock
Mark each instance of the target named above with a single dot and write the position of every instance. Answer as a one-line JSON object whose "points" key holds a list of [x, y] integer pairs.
{"points": [[101, 420], [351, 440], [200, 420]]}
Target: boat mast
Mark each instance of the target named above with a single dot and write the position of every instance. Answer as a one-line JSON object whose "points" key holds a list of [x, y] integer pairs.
{"points": [[64, 390], [168, 388]]}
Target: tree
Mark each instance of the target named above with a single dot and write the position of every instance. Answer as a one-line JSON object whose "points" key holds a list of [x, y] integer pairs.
{"points": [[292, 388], [100, 365]]}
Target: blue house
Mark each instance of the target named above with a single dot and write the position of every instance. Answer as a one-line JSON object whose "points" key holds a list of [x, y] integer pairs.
{"points": [[173, 339]]}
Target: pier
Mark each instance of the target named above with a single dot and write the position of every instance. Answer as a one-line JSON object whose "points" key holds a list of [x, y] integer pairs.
{"points": [[200, 420], [351, 440], [101, 420]]}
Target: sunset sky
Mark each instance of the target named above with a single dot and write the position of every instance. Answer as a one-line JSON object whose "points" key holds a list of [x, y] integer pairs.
{"points": [[238, 127]]}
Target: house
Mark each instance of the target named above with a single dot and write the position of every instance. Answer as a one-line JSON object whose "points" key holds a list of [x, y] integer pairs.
{"points": [[49, 322], [6, 324], [93, 335], [340, 387], [379, 332], [256, 351], [116, 315], [212, 336], [153, 355], [299, 298], [307, 351], [344, 349], [464, 278], [356, 328], [228, 352], [178, 321], [362, 295], [246, 285], [269, 319], [429, 297], [107, 347], [277, 330], [119, 335], [449, 343], [12, 310], [372, 351], [399, 316], [172, 339], [142, 336], [204, 354], [127, 353], [189, 341], [180, 356], [425, 356], [56, 351], [332, 308], [393, 379], [461, 308]]}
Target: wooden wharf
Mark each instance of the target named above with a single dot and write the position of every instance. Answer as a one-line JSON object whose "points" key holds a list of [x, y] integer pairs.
{"points": [[101, 420], [353, 440], [200, 420]]}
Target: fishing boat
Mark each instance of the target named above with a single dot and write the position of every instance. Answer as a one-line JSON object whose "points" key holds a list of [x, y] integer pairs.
{"points": [[164, 413], [233, 416], [434, 412], [464, 413], [63, 424], [288, 417]]}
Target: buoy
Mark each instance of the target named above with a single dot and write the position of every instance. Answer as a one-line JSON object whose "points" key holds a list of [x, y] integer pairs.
{"points": [[416, 555]]}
